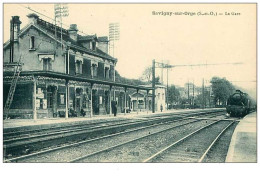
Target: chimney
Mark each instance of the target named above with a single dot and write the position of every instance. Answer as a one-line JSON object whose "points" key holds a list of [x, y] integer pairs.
{"points": [[73, 32], [33, 18], [14, 28], [103, 43]]}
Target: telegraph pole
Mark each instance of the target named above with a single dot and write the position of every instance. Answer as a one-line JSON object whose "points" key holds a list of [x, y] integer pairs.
{"points": [[189, 91], [162, 73], [60, 10], [114, 35], [167, 88], [193, 94], [209, 97], [203, 97], [162, 65], [153, 86]]}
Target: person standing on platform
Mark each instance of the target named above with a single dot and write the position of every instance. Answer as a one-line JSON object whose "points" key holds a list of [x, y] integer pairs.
{"points": [[115, 108]]}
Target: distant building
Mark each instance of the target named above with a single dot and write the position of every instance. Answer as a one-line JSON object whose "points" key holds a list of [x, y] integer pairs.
{"points": [[140, 100]]}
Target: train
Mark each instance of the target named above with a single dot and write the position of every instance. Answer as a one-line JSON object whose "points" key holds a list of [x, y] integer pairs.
{"points": [[240, 104]]}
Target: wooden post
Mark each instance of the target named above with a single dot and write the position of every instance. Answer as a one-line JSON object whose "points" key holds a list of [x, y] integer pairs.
{"points": [[91, 102], [153, 86], [34, 99], [203, 98], [137, 100], [125, 100], [167, 88], [67, 99], [147, 101], [110, 104], [114, 81]]}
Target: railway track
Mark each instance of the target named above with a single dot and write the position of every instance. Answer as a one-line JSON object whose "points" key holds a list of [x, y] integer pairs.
{"points": [[23, 134], [194, 147], [21, 143], [141, 147], [75, 149]]}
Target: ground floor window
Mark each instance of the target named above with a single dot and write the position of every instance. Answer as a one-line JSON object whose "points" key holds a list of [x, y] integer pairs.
{"points": [[62, 99], [49, 100]]}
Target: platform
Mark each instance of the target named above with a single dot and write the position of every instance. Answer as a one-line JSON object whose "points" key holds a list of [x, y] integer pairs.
{"points": [[18, 123], [243, 145]]}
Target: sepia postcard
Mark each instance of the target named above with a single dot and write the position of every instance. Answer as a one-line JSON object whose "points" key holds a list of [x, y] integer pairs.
{"points": [[129, 83]]}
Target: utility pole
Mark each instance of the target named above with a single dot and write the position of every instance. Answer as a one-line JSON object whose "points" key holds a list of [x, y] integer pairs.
{"points": [[162, 65], [162, 73], [114, 35], [153, 86], [167, 89], [203, 97], [209, 97], [189, 91], [193, 94], [60, 10]]}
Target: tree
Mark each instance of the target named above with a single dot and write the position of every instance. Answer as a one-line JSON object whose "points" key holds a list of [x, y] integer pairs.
{"points": [[222, 89], [124, 80], [202, 100], [147, 75], [173, 94]]}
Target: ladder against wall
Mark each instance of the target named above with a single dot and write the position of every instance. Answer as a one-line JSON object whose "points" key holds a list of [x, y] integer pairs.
{"points": [[17, 68]]}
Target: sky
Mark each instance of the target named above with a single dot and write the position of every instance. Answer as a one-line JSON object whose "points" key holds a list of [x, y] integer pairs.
{"points": [[176, 39]]}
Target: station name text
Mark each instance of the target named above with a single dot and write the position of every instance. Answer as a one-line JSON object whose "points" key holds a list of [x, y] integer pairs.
{"points": [[199, 13]]}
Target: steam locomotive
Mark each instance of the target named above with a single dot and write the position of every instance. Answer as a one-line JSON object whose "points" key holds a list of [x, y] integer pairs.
{"points": [[239, 104]]}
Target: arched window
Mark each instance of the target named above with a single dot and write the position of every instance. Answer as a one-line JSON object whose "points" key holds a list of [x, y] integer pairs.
{"points": [[32, 42]]}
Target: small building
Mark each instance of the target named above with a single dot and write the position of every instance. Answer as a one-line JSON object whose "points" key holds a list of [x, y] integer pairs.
{"points": [[143, 101], [160, 97]]}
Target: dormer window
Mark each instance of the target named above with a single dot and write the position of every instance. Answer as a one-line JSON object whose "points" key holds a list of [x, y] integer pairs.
{"points": [[93, 45], [78, 67], [32, 43]]}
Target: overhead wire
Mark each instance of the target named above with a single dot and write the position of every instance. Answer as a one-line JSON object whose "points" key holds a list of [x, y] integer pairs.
{"points": [[29, 8]]}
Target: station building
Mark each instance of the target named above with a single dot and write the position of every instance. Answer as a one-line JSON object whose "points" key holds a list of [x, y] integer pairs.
{"points": [[58, 75], [74, 72]]}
